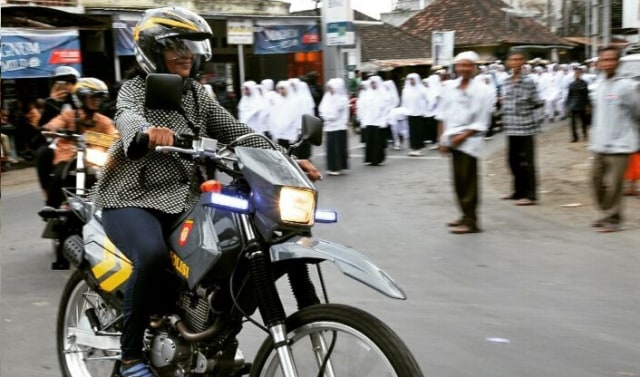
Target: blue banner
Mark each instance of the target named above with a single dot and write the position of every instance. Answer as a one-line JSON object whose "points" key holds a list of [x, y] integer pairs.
{"points": [[284, 39], [31, 53], [123, 38]]}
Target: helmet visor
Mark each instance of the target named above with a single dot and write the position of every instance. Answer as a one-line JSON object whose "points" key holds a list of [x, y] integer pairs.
{"points": [[183, 47]]}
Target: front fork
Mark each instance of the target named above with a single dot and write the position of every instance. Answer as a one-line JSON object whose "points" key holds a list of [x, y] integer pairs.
{"points": [[269, 303], [272, 310]]}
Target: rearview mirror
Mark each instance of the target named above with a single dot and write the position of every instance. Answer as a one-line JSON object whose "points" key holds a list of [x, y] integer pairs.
{"points": [[164, 91], [312, 129]]}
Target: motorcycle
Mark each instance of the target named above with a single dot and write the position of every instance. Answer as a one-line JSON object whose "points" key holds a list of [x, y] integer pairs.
{"points": [[79, 175], [227, 253]]}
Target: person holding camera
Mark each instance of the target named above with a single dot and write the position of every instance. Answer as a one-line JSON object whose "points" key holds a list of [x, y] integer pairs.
{"points": [[64, 79]]}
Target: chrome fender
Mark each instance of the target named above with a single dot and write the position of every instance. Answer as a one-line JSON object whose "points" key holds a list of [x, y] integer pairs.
{"points": [[350, 262]]}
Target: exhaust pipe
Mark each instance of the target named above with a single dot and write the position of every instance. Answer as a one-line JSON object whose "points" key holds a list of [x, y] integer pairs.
{"points": [[73, 250]]}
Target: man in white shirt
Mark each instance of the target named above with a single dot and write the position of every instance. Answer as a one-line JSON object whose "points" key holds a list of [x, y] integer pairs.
{"points": [[464, 117]]}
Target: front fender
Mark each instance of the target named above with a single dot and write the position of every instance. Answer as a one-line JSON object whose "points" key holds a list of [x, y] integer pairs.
{"points": [[350, 262]]}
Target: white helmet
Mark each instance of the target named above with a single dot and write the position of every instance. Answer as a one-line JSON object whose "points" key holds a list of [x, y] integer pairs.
{"points": [[65, 73]]}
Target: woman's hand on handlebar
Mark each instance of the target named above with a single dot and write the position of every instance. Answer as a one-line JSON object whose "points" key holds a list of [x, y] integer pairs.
{"points": [[311, 170], [159, 137]]}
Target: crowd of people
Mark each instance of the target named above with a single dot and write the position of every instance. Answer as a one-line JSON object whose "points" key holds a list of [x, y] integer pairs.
{"points": [[517, 99]]}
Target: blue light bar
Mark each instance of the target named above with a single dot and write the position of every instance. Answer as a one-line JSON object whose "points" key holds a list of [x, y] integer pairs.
{"points": [[228, 202], [326, 216]]}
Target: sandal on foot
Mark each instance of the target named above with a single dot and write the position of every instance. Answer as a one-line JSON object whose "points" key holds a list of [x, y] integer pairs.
{"points": [[455, 223], [136, 370]]}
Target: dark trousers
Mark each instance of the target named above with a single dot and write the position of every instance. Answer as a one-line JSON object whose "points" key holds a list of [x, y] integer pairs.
{"points": [[44, 165], [416, 132], [376, 144], [608, 180], [55, 196], [522, 164], [465, 181], [139, 234], [337, 150], [582, 115]]}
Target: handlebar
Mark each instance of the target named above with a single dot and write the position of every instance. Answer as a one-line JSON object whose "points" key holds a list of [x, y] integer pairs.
{"points": [[65, 134]]}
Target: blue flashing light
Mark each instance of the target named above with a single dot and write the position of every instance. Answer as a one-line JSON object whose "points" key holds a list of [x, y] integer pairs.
{"points": [[325, 216], [228, 202]]}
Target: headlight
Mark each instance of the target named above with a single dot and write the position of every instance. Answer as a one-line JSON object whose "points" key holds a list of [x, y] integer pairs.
{"points": [[96, 156], [297, 205]]}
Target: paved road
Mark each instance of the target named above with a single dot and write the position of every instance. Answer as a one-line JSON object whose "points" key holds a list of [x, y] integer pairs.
{"points": [[531, 296]]}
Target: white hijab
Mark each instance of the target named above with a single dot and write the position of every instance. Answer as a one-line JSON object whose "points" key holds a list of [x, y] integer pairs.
{"points": [[414, 97], [285, 117], [334, 106], [251, 106]]}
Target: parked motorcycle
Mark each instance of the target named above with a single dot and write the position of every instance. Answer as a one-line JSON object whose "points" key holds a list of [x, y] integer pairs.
{"points": [[79, 175], [227, 253]]}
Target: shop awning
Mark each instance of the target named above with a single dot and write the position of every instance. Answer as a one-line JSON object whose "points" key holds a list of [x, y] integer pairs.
{"points": [[390, 64], [43, 17], [619, 43]]}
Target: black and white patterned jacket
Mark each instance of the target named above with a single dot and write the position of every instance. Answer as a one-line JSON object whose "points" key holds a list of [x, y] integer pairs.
{"points": [[161, 181]]}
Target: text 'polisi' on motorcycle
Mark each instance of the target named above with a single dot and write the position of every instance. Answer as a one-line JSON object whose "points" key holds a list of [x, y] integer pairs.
{"points": [[227, 252]]}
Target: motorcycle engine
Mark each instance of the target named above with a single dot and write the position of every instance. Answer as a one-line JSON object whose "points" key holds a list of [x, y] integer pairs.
{"points": [[167, 352]]}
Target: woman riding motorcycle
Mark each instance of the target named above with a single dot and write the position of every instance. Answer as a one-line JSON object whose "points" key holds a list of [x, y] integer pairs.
{"points": [[142, 193], [89, 93]]}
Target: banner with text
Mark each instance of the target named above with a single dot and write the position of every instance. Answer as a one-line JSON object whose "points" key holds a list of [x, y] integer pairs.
{"points": [[631, 14], [239, 32], [123, 37], [284, 39], [442, 43], [338, 18], [31, 53]]}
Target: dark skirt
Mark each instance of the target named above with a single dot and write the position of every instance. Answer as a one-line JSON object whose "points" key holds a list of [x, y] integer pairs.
{"points": [[431, 129], [416, 132], [375, 147], [337, 150]]}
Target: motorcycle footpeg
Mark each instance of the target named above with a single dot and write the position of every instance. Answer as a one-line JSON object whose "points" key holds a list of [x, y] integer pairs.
{"points": [[60, 265], [52, 213]]}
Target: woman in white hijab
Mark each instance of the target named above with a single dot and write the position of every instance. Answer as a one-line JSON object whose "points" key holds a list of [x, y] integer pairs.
{"points": [[304, 105], [334, 111], [433, 83], [270, 98], [374, 117], [393, 101], [286, 117], [251, 107], [415, 100]]}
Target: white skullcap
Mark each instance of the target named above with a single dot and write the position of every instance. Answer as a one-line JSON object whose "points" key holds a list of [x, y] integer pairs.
{"points": [[467, 55]]}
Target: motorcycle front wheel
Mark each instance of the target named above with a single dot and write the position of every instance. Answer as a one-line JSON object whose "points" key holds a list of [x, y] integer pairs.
{"points": [[331, 340], [81, 352]]}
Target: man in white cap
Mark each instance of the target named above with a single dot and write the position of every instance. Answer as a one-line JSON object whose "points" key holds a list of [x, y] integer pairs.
{"points": [[464, 116]]}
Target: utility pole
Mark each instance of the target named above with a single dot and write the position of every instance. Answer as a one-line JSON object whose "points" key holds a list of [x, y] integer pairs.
{"points": [[587, 29], [565, 18], [595, 26], [606, 22], [549, 16]]}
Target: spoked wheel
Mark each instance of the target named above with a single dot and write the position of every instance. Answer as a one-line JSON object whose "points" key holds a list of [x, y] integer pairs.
{"points": [[81, 352], [332, 340]]}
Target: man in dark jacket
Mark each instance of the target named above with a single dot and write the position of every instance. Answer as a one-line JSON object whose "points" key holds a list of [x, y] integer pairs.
{"points": [[577, 104]]}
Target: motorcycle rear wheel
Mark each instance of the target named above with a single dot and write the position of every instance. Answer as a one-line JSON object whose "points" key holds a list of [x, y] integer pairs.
{"points": [[77, 357], [364, 346]]}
